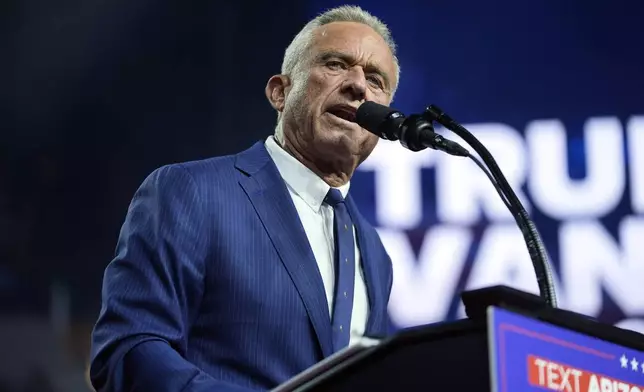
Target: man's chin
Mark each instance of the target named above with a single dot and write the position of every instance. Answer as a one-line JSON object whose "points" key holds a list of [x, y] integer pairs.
{"points": [[341, 144]]}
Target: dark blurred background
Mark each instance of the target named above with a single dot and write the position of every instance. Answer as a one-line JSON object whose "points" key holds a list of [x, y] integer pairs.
{"points": [[94, 95]]}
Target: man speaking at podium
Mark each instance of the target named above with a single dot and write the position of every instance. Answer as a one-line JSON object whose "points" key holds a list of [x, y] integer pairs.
{"points": [[236, 273]]}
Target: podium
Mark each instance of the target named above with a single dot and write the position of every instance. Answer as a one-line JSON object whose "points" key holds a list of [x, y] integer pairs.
{"points": [[510, 341]]}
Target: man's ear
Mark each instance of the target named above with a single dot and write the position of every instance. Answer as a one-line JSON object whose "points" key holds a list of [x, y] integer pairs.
{"points": [[276, 90]]}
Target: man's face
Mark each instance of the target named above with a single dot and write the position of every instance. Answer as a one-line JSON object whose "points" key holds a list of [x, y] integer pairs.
{"points": [[346, 64]]}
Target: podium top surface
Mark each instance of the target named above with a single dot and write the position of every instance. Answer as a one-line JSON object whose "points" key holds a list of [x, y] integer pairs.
{"points": [[477, 303]]}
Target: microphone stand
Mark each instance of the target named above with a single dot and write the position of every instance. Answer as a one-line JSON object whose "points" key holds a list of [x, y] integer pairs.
{"points": [[529, 231]]}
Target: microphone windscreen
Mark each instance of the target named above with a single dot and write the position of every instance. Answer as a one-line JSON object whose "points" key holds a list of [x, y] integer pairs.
{"points": [[371, 116]]}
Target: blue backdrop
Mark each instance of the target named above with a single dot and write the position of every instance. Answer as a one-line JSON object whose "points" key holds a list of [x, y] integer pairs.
{"points": [[556, 92]]}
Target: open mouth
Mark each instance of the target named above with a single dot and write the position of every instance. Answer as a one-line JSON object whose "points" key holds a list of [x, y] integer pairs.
{"points": [[344, 112]]}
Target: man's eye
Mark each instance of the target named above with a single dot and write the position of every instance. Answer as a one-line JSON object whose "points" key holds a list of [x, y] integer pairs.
{"points": [[375, 81], [335, 65]]}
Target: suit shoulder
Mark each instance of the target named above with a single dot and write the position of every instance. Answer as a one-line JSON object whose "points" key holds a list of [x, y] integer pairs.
{"points": [[209, 170], [211, 167]]}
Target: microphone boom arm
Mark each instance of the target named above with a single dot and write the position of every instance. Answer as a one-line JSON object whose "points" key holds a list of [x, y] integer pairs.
{"points": [[533, 241]]}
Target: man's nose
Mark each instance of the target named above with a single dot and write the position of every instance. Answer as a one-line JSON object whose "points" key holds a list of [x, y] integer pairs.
{"points": [[355, 84]]}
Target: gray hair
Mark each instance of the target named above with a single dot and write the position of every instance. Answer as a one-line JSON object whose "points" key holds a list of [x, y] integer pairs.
{"points": [[296, 51]]}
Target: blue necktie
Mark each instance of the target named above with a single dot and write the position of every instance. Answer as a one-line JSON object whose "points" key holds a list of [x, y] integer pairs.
{"points": [[344, 269]]}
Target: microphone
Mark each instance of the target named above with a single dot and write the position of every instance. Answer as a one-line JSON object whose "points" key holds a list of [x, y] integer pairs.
{"points": [[414, 132]]}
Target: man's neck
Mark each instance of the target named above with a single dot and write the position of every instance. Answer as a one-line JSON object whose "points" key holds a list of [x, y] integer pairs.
{"points": [[328, 173]]}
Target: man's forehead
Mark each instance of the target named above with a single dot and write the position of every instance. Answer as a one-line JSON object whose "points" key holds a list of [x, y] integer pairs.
{"points": [[350, 37], [353, 40]]}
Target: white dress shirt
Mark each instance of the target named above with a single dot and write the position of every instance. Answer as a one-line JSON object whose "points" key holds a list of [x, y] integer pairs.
{"points": [[308, 192]]}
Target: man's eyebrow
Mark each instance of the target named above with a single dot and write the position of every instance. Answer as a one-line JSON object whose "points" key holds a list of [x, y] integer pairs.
{"points": [[329, 54], [372, 68]]}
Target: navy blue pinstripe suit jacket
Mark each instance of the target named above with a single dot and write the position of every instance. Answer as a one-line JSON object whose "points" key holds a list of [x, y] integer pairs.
{"points": [[214, 286]]}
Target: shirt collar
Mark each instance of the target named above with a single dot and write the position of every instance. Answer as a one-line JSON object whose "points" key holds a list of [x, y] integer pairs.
{"points": [[299, 178]]}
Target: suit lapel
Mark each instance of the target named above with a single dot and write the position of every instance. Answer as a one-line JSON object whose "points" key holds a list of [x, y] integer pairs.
{"points": [[269, 196], [369, 268]]}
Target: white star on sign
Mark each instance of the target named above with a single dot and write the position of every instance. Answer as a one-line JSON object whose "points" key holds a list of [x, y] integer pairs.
{"points": [[634, 364], [642, 364], [624, 361]]}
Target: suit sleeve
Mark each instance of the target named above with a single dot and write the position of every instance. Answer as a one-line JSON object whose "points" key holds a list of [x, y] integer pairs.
{"points": [[152, 290]]}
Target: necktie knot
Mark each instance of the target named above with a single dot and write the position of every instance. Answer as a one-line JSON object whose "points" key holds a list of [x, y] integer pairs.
{"points": [[334, 197]]}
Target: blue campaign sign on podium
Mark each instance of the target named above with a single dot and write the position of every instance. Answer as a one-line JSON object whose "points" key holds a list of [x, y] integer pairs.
{"points": [[531, 355]]}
